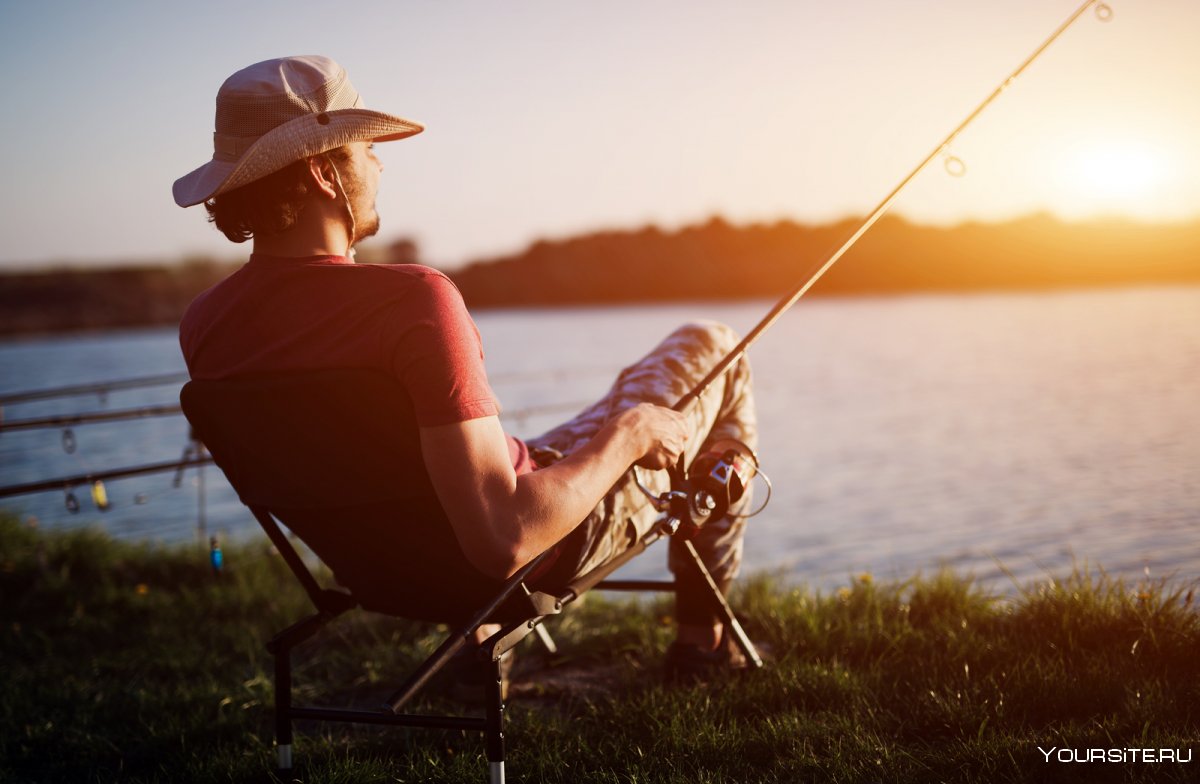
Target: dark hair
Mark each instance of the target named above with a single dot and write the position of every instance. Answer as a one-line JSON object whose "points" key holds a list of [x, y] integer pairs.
{"points": [[269, 205]]}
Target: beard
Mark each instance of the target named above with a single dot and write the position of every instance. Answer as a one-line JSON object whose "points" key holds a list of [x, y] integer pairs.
{"points": [[366, 224], [364, 218]]}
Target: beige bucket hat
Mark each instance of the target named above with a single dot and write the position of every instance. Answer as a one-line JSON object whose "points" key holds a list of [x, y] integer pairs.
{"points": [[280, 111]]}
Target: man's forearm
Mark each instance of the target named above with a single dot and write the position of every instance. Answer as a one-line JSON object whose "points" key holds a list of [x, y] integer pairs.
{"points": [[503, 521], [549, 503]]}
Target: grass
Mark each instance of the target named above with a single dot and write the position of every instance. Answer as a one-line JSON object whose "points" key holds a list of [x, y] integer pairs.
{"points": [[128, 662]]}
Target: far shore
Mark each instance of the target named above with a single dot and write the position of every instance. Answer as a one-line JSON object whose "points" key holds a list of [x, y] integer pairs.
{"points": [[711, 261]]}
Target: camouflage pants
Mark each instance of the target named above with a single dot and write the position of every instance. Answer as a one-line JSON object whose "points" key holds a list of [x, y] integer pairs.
{"points": [[725, 410]]}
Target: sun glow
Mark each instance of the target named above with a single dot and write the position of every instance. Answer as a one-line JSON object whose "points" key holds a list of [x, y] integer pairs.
{"points": [[1125, 176]]}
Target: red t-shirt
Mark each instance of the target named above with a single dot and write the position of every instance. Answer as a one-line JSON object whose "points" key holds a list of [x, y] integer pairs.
{"points": [[282, 314]]}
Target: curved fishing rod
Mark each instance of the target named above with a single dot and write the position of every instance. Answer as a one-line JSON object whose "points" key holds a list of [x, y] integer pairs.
{"points": [[90, 417], [1103, 12], [67, 421], [91, 477], [101, 388]]}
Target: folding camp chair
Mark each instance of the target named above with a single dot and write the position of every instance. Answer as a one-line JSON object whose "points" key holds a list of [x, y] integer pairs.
{"points": [[335, 456]]}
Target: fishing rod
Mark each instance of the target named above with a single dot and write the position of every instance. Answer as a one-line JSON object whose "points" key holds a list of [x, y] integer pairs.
{"points": [[67, 420], [1103, 12], [90, 417], [715, 482], [91, 477], [101, 388], [165, 410]]}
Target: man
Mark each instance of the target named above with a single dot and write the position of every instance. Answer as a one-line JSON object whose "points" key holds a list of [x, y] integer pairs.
{"points": [[294, 170]]}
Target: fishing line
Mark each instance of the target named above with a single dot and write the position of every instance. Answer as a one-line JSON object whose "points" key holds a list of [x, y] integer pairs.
{"points": [[953, 165]]}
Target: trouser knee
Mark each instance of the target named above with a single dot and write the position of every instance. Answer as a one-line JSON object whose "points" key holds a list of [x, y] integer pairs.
{"points": [[708, 336]]}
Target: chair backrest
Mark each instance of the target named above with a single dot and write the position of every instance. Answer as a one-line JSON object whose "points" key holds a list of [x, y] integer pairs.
{"points": [[319, 439], [336, 456]]}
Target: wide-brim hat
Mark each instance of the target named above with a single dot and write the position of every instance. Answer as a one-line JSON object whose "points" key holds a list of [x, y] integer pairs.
{"points": [[280, 111]]}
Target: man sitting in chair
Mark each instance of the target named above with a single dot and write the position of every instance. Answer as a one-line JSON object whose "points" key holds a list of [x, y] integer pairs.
{"points": [[294, 170]]}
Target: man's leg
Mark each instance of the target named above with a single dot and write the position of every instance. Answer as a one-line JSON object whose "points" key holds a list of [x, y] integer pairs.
{"points": [[723, 414]]}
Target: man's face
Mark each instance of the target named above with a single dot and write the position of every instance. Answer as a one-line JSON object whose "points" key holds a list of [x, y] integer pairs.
{"points": [[361, 179]]}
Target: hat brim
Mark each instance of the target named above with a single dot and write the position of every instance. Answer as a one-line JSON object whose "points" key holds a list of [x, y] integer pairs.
{"points": [[287, 143]]}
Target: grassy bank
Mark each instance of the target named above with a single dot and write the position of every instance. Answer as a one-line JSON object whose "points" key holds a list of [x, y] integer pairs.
{"points": [[135, 663]]}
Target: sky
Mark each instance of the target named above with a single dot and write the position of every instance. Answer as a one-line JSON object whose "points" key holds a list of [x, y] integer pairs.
{"points": [[547, 119]]}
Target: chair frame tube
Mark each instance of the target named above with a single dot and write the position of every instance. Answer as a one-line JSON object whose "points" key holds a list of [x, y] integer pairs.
{"points": [[330, 604]]}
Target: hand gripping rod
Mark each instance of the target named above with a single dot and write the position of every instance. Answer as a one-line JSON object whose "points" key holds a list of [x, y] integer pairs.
{"points": [[1102, 11]]}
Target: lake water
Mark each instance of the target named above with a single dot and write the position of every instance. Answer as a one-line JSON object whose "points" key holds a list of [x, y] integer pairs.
{"points": [[999, 434]]}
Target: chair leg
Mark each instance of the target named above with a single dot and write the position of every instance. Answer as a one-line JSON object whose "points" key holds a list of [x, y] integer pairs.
{"points": [[494, 733], [283, 707], [723, 608], [547, 641]]}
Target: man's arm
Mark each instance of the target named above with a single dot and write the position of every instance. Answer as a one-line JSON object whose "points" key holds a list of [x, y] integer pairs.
{"points": [[503, 521]]}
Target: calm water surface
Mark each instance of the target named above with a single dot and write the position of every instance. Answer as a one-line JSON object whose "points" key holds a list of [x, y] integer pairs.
{"points": [[1000, 434]]}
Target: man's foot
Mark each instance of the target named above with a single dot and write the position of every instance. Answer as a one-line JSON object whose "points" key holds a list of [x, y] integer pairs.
{"points": [[691, 663]]}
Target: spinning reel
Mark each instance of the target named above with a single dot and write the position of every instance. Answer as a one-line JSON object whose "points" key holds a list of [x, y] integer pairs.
{"points": [[716, 481]]}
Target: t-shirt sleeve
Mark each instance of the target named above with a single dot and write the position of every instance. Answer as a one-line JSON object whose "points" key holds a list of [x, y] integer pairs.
{"points": [[438, 355]]}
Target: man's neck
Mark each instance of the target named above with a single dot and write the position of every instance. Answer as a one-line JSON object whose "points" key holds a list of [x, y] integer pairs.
{"points": [[316, 234]]}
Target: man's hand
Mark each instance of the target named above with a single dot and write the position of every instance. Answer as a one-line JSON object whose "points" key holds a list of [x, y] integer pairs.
{"points": [[662, 434]]}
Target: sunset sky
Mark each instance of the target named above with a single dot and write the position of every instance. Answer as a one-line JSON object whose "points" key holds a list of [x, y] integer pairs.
{"points": [[546, 119]]}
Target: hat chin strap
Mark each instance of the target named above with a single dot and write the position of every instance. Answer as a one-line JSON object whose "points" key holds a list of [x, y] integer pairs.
{"points": [[349, 210]]}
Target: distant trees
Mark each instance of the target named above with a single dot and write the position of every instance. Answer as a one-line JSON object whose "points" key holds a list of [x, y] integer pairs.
{"points": [[713, 260], [83, 299], [716, 260], [401, 251]]}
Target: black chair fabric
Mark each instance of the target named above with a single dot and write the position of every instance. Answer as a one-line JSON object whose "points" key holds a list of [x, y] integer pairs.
{"points": [[335, 456]]}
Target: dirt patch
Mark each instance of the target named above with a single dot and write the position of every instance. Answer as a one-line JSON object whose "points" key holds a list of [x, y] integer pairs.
{"points": [[566, 681]]}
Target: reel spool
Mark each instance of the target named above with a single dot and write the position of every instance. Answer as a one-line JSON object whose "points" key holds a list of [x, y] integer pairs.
{"points": [[716, 481]]}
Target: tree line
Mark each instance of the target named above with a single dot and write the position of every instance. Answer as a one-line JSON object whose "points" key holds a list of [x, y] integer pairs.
{"points": [[712, 260]]}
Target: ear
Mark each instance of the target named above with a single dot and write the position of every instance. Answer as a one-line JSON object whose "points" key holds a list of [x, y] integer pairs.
{"points": [[320, 169]]}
